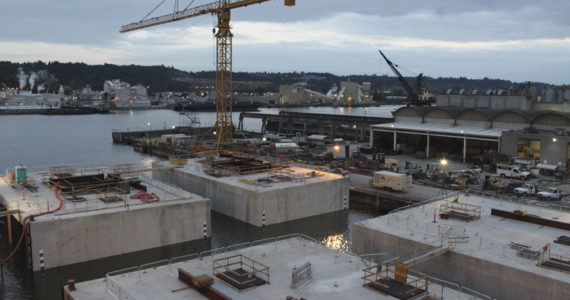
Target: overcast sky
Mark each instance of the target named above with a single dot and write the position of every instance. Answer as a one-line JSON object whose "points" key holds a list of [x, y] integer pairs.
{"points": [[517, 40]]}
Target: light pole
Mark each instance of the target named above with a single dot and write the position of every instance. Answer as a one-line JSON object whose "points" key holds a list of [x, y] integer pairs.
{"points": [[443, 190]]}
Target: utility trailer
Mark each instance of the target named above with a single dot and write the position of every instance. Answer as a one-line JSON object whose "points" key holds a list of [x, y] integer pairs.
{"points": [[391, 180]]}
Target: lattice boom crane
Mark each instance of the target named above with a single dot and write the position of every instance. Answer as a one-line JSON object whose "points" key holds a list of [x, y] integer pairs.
{"points": [[224, 127]]}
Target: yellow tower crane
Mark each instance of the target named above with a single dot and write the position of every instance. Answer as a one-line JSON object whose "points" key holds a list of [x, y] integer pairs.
{"points": [[224, 127]]}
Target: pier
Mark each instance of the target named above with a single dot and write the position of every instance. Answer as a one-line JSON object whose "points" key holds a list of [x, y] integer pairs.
{"points": [[345, 126], [128, 137]]}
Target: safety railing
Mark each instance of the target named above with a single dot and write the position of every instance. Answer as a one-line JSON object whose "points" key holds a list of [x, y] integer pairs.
{"points": [[443, 289], [112, 286], [112, 278]]}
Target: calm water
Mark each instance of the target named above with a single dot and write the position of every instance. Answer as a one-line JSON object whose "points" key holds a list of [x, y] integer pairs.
{"points": [[39, 142]]}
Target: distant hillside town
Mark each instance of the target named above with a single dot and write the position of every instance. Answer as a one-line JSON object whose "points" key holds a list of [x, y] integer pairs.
{"points": [[133, 86]]}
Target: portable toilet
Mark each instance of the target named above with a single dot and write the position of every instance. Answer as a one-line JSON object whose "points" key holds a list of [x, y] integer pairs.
{"points": [[20, 174]]}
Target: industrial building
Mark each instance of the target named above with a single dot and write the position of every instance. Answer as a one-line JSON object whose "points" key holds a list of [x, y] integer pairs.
{"points": [[12, 98], [123, 95], [298, 95], [526, 98], [469, 132], [351, 93], [354, 93], [492, 99]]}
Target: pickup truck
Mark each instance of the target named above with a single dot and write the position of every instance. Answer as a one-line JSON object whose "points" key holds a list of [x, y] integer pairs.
{"points": [[525, 189], [513, 172], [550, 194]]}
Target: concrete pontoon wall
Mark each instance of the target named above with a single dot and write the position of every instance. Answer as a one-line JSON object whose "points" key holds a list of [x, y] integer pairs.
{"points": [[490, 278], [496, 280], [247, 205], [368, 241], [90, 236]]}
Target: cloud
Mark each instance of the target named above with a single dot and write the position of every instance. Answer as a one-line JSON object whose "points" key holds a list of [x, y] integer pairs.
{"points": [[32, 51], [441, 38]]}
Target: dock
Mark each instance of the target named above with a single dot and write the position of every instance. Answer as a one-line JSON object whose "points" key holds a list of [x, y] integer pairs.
{"points": [[102, 212], [128, 137]]}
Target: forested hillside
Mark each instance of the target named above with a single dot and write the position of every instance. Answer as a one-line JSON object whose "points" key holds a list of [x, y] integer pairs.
{"points": [[74, 76]]}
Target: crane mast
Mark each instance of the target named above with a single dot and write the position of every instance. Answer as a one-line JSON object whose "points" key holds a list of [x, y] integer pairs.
{"points": [[224, 127]]}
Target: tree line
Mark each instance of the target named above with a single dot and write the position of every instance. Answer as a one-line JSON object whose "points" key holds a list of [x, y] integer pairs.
{"points": [[160, 78]]}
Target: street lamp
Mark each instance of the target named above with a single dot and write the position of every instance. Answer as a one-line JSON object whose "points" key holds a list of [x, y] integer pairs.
{"points": [[443, 190]]}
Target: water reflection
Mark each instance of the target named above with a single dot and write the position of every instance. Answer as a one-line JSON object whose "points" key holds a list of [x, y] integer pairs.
{"points": [[337, 242], [147, 161]]}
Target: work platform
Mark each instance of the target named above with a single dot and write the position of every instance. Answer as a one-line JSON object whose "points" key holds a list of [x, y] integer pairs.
{"points": [[287, 267], [104, 212], [506, 250], [259, 191]]}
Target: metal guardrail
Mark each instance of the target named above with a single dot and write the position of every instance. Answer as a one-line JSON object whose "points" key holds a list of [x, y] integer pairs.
{"points": [[429, 201], [457, 289], [114, 288]]}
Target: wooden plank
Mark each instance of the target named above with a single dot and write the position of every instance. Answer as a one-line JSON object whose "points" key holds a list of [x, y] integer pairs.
{"points": [[401, 273], [208, 291]]}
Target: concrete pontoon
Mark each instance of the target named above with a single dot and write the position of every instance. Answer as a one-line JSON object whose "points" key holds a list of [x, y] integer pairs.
{"points": [[290, 267], [504, 249], [105, 212], [258, 191]]}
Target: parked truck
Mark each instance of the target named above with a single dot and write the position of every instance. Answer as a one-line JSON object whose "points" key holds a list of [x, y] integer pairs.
{"points": [[525, 189], [550, 194], [391, 180], [512, 172]]}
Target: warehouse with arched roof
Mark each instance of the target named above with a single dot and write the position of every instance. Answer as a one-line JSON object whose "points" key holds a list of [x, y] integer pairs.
{"points": [[466, 132]]}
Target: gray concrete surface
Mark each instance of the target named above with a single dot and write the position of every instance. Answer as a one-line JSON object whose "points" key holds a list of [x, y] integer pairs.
{"points": [[281, 202], [335, 275], [85, 237], [497, 280], [91, 229], [483, 260]]}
